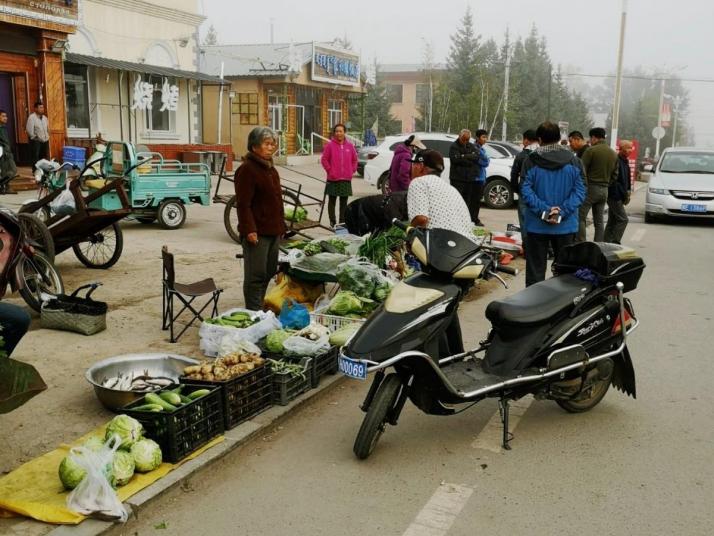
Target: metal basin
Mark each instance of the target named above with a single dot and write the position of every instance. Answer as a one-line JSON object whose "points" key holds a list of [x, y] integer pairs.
{"points": [[157, 364]]}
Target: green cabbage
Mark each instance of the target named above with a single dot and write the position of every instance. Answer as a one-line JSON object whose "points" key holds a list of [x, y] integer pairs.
{"points": [[122, 467], [70, 473], [274, 340], [344, 303], [342, 335], [382, 290], [358, 279], [128, 429], [147, 455], [94, 444]]}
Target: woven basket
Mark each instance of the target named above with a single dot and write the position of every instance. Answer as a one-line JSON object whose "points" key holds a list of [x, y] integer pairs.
{"points": [[73, 313]]}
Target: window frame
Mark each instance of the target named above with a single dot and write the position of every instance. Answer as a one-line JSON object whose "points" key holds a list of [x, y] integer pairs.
{"points": [[391, 89], [247, 117], [148, 115], [78, 132]]}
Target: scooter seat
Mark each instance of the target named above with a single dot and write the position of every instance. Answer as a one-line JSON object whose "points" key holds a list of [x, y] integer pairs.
{"points": [[539, 303]]}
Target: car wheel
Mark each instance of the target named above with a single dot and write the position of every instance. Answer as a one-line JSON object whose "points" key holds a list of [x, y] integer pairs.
{"points": [[498, 194], [649, 217]]}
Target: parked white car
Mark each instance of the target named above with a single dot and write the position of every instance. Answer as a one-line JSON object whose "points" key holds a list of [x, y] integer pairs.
{"points": [[682, 185], [497, 192]]}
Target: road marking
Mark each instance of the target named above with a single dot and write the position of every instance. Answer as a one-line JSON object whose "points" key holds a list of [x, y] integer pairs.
{"points": [[639, 234], [437, 516], [491, 437]]}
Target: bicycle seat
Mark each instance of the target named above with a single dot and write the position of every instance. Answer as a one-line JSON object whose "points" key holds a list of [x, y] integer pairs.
{"points": [[539, 303]]}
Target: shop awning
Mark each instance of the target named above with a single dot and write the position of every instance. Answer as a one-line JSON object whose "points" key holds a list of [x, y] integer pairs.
{"points": [[107, 63]]}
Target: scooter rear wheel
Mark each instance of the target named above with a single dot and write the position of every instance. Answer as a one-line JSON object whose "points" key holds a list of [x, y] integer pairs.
{"points": [[597, 392], [376, 419]]}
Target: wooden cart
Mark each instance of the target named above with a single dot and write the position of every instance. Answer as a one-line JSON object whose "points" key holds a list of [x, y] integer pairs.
{"points": [[293, 196], [93, 233]]}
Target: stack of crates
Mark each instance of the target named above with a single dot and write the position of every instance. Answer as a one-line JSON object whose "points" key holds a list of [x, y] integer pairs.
{"points": [[75, 155]]}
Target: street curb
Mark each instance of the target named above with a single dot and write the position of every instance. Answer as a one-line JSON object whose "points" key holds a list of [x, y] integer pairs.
{"points": [[235, 438]]}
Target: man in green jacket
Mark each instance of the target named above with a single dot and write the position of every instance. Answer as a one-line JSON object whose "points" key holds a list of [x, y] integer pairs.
{"points": [[600, 165]]}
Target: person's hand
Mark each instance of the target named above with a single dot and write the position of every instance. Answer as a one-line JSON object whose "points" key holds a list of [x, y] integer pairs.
{"points": [[252, 238], [553, 215], [626, 201]]}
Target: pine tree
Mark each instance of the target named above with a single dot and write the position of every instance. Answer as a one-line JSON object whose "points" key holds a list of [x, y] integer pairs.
{"points": [[461, 61], [373, 106], [211, 36]]}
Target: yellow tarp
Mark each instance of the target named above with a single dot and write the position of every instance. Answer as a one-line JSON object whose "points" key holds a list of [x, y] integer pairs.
{"points": [[34, 489]]}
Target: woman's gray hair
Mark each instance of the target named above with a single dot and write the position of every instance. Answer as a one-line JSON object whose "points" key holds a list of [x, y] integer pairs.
{"points": [[258, 135]]}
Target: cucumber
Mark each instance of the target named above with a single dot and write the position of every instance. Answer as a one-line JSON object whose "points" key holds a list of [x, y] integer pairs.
{"points": [[185, 399], [149, 407], [171, 397], [151, 398], [198, 394], [177, 390]]}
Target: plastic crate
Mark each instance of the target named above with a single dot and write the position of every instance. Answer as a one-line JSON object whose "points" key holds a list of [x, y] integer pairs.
{"points": [[181, 432], [287, 387], [244, 396], [324, 364], [72, 154], [334, 322]]}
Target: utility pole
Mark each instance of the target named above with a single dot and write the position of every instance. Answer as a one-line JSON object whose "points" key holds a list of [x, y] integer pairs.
{"points": [[550, 83], [504, 127], [676, 101], [618, 79], [659, 115], [272, 29]]}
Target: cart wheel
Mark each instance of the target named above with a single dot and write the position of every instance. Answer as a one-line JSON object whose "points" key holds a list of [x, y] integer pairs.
{"points": [[102, 249], [38, 277], [230, 219], [43, 214], [146, 220], [172, 214], [36, 230]]}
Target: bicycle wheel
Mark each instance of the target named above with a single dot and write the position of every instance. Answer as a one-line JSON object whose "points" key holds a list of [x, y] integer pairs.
{"points": [[102, 249], [36, 231], [230, 219], [39, 278]]}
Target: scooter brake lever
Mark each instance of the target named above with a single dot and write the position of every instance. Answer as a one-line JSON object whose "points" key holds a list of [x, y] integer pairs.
{"points": [[494, 274]]}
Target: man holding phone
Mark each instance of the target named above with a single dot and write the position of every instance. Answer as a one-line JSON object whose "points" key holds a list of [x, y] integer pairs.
{"points": [[552, 188]]}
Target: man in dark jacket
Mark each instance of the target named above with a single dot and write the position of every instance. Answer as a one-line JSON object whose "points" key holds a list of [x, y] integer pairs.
{"points": [[600, 164], [553, 189], [464, 157], [8, 170], [618, 196], [577, 143], [530, 144]]}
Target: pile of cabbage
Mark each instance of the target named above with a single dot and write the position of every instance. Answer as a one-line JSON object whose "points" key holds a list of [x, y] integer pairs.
{"points": [[135, 454], [363, 279]]}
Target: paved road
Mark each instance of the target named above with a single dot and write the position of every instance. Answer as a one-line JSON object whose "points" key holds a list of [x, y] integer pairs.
{"points": [[628, 467]]}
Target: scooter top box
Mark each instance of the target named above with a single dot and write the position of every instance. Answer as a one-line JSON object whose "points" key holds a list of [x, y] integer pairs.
{"points": [[610, 262]]}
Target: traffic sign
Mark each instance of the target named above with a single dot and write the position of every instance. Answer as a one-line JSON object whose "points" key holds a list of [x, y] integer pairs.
{"points": [[658, 133]]}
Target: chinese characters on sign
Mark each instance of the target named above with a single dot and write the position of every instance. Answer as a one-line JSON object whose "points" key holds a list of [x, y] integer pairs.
{"points": [[144, 96], [335, 66]]}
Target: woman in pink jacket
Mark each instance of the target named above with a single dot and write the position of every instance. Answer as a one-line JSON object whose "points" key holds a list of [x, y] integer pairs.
{"points": [[339, 158]]}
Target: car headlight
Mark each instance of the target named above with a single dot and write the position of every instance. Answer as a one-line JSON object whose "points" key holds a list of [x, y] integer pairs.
{"points": [[659, 191]]}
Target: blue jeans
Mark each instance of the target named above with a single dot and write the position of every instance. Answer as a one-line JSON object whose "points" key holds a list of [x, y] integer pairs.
{"points": [[14, 322]]}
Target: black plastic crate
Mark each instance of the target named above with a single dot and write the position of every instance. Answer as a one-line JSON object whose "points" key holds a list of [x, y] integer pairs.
{"points": [[287, 387], [324, 364], [181, 432], [244, 396]]}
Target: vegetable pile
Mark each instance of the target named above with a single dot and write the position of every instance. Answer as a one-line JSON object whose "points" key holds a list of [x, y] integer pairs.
{"points": [[135, 380], [347, 303], [324, 263], [285, 367], [169, 401], [364, 279], [224, 368], [135, 454], [295, 213], [342, 335], [275, 339], [380, 246], [238, 319]]}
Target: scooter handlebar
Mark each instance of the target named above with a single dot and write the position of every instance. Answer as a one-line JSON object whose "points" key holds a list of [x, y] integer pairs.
{"points": [[507, 269], [403, 226]]}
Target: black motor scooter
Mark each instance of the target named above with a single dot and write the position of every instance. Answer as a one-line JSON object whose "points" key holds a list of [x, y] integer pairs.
{"points": [[561, 339]]}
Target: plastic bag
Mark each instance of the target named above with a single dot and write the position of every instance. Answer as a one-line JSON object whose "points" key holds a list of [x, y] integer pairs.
{"points": [[294, 315], [64, 204], [358, 276], [289, 288], [234, 342], [211, 335], [321, 263], [95, 496], [300, 345]]}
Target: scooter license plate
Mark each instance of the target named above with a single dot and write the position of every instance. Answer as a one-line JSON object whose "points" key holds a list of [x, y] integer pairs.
{"points": [[352, 369]]}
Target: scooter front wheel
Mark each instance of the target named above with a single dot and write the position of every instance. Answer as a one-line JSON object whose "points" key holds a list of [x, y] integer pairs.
{"points": [[376, 419]]}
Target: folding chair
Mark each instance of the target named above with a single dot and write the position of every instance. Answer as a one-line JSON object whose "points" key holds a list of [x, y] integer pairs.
{"points": [[186, 294]]}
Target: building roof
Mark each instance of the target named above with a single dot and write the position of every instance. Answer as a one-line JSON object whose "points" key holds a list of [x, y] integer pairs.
{"points": [[279, 59], [387, 68], [107, 63]]}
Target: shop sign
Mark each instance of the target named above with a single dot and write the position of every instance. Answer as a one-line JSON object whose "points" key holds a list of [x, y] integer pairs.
{"points": [[143, 96], [169, 97], [335, 66], [58, 11]]}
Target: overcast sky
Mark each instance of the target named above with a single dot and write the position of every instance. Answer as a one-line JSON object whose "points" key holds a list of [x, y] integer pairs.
{"points": [[676, 36]]}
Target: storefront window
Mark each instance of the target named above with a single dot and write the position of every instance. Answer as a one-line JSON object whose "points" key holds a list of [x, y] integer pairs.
{"points": [[76, 89], [394, 93], [275, 112], [157, 120], [334, 112]]}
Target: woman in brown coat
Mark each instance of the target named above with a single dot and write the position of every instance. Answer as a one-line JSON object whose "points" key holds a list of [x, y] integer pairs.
{"points": [[261, 223]]}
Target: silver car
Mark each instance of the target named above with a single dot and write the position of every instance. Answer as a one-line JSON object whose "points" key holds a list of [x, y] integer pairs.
{"points": [[682, 185]]}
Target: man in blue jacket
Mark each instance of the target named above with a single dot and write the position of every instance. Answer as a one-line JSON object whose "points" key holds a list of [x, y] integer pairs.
{"points": [[482, 163], [552, 188]]}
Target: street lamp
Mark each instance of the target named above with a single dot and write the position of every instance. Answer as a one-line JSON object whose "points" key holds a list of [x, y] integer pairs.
{"points": [[618, 78]]}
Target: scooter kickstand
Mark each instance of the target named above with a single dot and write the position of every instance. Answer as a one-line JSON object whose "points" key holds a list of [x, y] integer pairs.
{"points": [[503, 409]]}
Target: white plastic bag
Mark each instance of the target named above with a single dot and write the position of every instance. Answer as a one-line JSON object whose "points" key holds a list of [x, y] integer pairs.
{"points": [[64, 204], [234, 342], [211, 335], [95, 496], [298, 344]]}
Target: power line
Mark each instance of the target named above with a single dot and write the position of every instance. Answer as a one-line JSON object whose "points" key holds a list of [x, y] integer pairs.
{"points": [[635, 77]]}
